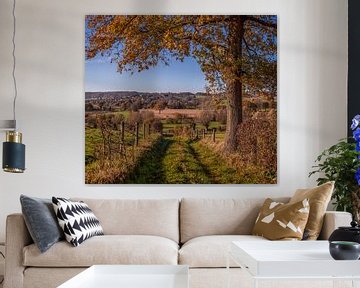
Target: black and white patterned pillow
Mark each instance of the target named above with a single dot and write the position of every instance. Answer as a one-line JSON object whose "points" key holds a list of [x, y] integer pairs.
{"points": [[77, 220]]}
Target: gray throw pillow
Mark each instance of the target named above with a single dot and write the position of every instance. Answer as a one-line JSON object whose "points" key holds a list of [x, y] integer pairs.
{"points": [[41, 221]]}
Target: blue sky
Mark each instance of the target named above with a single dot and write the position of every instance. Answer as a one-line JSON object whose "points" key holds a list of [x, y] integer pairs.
{"points": [[101, 75]]}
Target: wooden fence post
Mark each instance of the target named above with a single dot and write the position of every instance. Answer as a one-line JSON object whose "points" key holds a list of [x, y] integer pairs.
{"points": [[213, 134], [197, 134], [144, 130], [122, 137], [149, 129], [137, 134]]}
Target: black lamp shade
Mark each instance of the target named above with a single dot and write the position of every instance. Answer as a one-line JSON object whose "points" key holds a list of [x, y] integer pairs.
{"points": [[13, 157]]}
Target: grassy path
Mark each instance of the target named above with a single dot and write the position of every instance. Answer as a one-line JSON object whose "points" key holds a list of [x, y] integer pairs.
{"points": [[219, 171], [180, 161], [182, 165], [150, 168]]}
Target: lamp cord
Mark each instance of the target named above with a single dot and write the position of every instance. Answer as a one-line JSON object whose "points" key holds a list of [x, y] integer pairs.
{"points": [[14, 61]]}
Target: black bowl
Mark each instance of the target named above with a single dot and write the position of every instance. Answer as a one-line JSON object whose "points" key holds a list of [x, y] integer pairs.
{"points": [[344, 250]]}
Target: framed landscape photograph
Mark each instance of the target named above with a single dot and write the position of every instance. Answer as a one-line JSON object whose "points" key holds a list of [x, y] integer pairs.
{"points": [[181, 99]]}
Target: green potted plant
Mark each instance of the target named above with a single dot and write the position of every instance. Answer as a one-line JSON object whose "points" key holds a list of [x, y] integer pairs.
{"points": [[341, 163]]}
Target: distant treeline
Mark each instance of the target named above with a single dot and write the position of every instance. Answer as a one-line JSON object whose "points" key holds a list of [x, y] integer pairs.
{"points": [[134, 101]]}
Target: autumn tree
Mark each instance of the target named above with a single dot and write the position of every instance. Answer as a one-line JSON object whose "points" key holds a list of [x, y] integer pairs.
{"points": [[135, 106], [147, 116], [220, 116], [205, 117], [133, 118], [160, 105], [235, 53]]}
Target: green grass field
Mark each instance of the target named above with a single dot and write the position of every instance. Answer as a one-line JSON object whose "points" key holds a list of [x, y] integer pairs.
{"points": [[178, 157], [171, 160], [93, 139], [177, 160]]}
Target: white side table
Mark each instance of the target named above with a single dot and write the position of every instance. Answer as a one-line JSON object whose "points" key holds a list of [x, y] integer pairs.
{"points": [[131, 276], [287, 261]]}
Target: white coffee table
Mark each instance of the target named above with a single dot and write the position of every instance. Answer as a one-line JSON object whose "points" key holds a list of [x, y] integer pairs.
{"points": [[131, 276], [292, 260]]}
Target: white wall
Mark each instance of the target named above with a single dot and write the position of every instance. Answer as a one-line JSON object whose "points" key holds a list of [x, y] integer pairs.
{"points": [[50, 73]]}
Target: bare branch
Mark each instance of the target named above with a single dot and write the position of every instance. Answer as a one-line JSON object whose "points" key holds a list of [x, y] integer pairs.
{"points": [[260, 21], [250, 50]]}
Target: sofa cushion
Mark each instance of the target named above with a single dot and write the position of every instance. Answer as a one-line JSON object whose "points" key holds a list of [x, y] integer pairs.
{"points": [[319, 198], [158, 217], [211, 251], [201, 217], [107, 249], [41, 221], [279, 221], [76, 220]]}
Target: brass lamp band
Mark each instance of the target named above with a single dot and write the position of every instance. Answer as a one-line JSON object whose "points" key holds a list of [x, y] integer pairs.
{"points": [[13, 170], [14, 136]]}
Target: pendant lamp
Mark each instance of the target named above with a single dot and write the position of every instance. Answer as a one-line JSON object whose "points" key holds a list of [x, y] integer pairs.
{"points": [[13, 160]]}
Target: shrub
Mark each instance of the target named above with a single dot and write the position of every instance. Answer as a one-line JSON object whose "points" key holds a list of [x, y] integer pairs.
{"points": [[257, 139], [221, 116], [91, 121], [157, 126], [147, 116], [205, 118]]}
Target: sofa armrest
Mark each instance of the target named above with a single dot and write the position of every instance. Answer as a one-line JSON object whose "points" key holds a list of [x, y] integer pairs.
{"points": [[333, 220], [17, 237]]}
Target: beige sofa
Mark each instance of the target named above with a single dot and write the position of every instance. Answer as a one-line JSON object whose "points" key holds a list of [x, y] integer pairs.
{"points": [[194, 232]]}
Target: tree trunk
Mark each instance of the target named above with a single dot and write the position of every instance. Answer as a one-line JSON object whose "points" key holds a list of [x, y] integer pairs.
{"points": [[355, 202], [234, 115], [234, 85]]}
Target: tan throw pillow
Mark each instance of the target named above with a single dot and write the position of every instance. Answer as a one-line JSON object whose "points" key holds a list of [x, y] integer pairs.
{"points": [[319, 198], [279, 221]]}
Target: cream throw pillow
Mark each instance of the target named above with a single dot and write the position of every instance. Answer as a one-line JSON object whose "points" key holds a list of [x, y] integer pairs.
{"points": [[319, 198], [279, 221]]}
